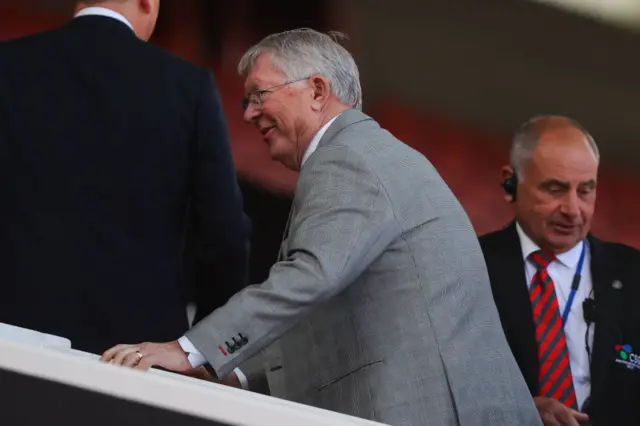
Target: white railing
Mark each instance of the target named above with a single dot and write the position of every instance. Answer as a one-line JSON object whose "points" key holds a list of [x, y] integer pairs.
{"points": [[50, 358]]}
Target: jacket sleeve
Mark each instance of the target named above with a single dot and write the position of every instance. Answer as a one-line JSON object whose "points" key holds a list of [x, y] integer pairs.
{"points": [[343, 220]]}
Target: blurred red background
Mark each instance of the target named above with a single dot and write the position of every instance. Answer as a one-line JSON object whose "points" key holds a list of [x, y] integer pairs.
{"points": [[469, 158]]}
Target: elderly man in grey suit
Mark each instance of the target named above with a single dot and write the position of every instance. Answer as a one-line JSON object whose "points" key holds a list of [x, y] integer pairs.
{"points": [[380, 306]]}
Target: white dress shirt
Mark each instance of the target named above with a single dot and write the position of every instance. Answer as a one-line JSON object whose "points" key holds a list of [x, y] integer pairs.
{"points": [[562, 272], [313, 145], [195, 357], [103, 11]]}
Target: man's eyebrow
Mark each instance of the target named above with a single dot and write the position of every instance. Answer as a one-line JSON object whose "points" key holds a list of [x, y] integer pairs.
{"points": [[555, 182], [251, 88], [562, 184]]}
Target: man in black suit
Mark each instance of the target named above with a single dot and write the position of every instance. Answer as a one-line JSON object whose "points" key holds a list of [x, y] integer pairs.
{"points": [[567, 301], [109, 149]]}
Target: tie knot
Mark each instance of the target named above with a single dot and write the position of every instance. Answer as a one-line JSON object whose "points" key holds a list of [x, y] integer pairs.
{"points": [[541, 259]]}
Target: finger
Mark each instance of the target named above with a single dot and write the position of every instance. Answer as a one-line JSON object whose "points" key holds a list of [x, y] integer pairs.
{"points": [[131, 360], [548, 419], [147, 362], [580, 417], [565, 417], [119, 357], [109, 354]]}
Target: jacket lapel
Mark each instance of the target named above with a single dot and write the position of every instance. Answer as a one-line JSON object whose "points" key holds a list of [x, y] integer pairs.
{"points": [[508, 280], [344, 120], [282, 254], [607, 325]]}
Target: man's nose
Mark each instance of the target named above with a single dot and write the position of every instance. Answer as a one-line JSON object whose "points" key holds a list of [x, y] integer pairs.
{"points": [[251, 114], [571, 204]]}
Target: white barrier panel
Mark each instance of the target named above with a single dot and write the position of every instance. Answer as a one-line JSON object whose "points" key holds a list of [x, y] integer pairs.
{"points": [[58, 386], [32, 338]]}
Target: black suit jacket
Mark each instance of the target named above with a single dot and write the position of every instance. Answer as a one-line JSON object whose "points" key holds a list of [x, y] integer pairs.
{"points": [[615, 388], [109, 147]]}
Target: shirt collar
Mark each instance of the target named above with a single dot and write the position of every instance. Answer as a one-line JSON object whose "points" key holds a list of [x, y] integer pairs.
{"points": [[103, 11], [568, 258], [316, 140]]}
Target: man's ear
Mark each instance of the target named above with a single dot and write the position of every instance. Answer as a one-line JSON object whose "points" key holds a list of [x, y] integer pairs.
{"points": [[321, 91], [507, 172], [146, 6], [509, 183]]}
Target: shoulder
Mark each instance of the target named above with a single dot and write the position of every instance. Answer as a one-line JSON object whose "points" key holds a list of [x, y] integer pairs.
{"points": [[339, 157], [196, 77], [616, 253], [175, 75], [616, 248], [163, 55], [25, 52], [339, 167], [166, 60], [359, 138], [498, 239], [363, 135], [27, 42]]}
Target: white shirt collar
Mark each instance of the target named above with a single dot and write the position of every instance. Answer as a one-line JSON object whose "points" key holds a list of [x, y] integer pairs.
{"points": [[103, 11], [568, 258], [316, 140]]}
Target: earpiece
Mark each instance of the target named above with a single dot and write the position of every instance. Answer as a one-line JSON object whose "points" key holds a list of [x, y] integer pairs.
{"points": [[510, 186]]}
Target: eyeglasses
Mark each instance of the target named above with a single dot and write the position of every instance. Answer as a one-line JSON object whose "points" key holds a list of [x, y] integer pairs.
{"points": [[256, 97]]}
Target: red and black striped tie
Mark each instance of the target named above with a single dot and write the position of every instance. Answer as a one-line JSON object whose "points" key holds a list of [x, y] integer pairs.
{"points": [[554, 375]]}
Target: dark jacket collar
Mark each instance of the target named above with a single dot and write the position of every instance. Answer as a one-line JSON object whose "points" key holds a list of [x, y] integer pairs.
{"points": [[503, 255], [101, 23]]}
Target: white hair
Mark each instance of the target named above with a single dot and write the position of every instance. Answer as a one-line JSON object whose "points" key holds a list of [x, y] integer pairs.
{"points": [[527, 137], [301, 53]]}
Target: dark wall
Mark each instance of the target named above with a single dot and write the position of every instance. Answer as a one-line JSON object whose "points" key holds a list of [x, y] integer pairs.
{"points": [[262, 18], [494, 63]]}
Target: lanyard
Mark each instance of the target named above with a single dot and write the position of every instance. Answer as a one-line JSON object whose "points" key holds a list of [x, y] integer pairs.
{"points": [[574, 285]]}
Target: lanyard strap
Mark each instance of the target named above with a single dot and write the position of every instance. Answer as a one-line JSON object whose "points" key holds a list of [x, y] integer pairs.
{"points": [[574, 285]]}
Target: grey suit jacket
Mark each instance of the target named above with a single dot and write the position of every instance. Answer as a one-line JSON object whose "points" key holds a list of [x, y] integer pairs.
{"points": [[382, 304]]}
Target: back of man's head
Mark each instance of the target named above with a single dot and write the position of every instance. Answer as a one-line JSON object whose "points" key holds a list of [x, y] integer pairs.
{"points": [[141, 14]]}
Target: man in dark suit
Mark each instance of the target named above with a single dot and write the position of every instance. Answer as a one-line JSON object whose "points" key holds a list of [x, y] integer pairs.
{"points": [[109, 148], [548, 274]]}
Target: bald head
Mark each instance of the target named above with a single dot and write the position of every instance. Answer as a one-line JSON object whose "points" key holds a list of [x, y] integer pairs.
{"points": [[549, 131], [142, 14], [556, 161]]}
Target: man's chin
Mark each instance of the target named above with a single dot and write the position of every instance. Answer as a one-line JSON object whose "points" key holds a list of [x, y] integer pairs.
{"points": [[274, 153], [563, 242], [278, 157]]}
